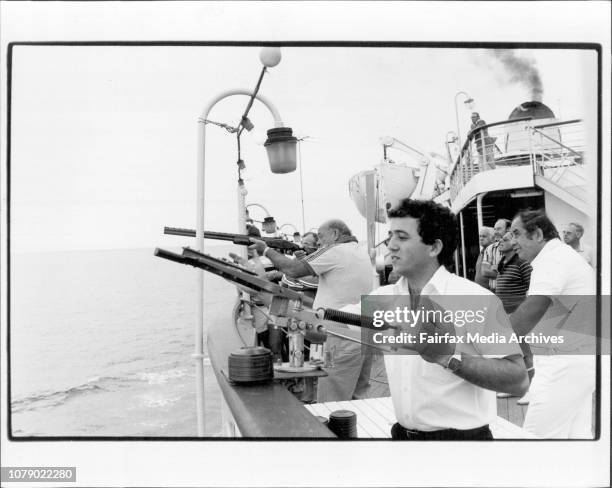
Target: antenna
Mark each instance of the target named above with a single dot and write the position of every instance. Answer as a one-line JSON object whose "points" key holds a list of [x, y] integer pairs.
{"points": [[300, 139]]}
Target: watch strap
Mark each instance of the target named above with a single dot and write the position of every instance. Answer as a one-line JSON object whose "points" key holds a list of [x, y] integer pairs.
{"points": [[454, 363]]}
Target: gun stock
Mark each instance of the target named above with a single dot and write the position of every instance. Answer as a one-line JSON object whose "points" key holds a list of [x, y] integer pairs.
{"points": [[239, 239]]}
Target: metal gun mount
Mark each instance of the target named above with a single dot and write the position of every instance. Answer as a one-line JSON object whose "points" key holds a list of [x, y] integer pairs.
{"points": [[286, 307]]}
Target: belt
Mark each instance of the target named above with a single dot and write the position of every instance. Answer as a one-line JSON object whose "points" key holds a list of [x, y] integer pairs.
{"points": [[399, 432]]}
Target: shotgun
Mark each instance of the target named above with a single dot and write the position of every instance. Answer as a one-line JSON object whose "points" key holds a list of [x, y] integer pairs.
{"points": [[239, 239]]}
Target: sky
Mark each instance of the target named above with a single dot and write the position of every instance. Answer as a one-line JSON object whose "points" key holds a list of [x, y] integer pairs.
{"points": [[104, 138]]}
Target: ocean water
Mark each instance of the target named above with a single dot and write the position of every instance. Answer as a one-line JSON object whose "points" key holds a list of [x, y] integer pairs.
{"points": [[101, 344]]}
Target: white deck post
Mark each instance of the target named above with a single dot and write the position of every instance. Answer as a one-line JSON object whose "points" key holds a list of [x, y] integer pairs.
{"points": [[200, 332], [462, 244], [371, 211]]}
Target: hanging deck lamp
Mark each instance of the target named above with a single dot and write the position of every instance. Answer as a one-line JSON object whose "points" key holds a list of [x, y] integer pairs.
{"points": [[281, 147], [269, 225]]}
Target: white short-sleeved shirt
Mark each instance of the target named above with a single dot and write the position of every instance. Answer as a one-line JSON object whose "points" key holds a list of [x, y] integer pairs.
{"points": [[563, 275], [586, 252], [345, 273], [427, 396]]}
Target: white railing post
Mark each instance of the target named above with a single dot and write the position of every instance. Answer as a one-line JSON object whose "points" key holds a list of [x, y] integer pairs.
{"points": [[479, 210], [462, 244], [532, 159], [371, 210]]}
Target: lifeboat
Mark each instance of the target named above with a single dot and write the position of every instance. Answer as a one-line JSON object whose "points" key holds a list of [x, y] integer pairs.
{"points": [[393, 182]]}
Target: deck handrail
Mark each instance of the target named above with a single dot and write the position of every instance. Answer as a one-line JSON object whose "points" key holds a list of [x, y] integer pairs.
{"points": [[516, 145], [477, 154], [557, 142], [473, 132], [555, 124]]}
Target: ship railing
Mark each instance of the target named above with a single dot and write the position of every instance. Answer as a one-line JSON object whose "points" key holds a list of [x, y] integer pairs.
{"points": [[558, 146], [506, 143], [550, 147]]}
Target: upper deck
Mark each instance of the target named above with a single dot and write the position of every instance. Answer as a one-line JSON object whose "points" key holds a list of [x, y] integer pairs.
{"points": [[522, 153]]}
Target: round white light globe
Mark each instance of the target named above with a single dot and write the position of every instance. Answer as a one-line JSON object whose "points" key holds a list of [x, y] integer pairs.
{"points": [[270, 56]]}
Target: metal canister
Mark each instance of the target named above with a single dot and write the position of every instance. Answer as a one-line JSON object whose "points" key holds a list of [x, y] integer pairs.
{"points": [[328, 355], [316, 353], [296, 349]]}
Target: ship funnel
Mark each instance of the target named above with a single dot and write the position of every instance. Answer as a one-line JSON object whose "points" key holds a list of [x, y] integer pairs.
{"points": [[515, 140], [535, 110]]}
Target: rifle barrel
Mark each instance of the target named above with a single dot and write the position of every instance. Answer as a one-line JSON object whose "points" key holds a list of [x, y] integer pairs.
{"points": [[178, 231], [240, 239]]}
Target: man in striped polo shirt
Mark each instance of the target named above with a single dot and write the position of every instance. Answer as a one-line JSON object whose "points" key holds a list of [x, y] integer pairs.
{"points": [[513, 275], [492, 255]]}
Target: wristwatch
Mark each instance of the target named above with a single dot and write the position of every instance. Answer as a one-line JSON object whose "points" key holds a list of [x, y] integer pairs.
{"points": [[454, 363]]}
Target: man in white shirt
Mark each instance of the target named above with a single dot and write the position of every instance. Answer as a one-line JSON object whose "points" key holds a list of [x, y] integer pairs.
{"points": [[561, 281], [444, 392], [485, 239], [345, 273]]}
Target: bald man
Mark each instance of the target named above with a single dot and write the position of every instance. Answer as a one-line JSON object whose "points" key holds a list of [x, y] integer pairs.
{"points": [[345, 273], [485, 238], [572, 233]]}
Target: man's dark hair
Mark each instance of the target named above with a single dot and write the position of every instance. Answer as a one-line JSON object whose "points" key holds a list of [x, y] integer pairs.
{"points": [[537, 219], [253, 231], [435, 222], [505, 221]]}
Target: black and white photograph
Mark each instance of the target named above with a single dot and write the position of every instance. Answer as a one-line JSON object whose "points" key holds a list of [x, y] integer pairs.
{"points": [[295, 234]]}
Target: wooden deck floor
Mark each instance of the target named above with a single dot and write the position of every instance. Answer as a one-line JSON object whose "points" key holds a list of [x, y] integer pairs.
{"points": [[507, 408], [379, 386], [511, 411]]}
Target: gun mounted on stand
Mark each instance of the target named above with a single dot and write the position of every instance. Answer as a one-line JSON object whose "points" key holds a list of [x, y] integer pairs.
{"points": [[239, 239], [287, 308]]}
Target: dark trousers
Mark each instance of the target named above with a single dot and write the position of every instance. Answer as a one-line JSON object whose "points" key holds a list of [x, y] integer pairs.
{"points": [[479, 434]]}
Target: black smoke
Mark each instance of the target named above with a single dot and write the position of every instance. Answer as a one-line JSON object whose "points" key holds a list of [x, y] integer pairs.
{"points": [[521, 70]]}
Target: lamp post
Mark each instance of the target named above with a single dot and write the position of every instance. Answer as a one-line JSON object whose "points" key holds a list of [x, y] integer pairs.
{"points": [[291, 225], [279, 139], [451, 138], [268, 224], [469, 104], [296, 233]]}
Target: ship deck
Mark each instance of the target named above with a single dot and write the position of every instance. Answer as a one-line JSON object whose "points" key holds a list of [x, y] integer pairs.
{"points": [[296, 421]]}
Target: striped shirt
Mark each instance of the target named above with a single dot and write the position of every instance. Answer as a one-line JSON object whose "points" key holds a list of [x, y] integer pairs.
{"points": [[512, 282], [492, 256], [344, 271]]}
